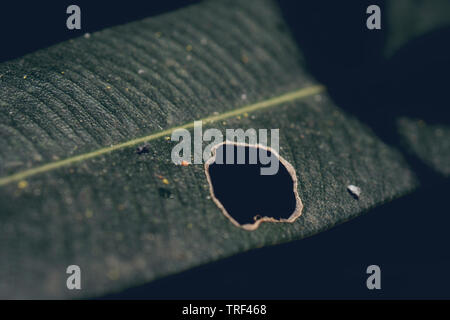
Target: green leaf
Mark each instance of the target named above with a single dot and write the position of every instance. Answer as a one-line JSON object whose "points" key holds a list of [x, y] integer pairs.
{"points": [[74, 191], [410, 19], [430, 142], [416, 77]]}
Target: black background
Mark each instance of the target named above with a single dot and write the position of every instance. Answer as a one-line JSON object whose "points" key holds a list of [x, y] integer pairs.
{"points": [[408, 238]]}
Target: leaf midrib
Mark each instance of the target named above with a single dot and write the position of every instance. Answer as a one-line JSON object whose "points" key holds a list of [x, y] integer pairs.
{"points": [[271, 102]]}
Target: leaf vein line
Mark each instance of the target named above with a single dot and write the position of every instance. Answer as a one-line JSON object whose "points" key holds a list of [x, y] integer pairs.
{"points": [[271, 102]]}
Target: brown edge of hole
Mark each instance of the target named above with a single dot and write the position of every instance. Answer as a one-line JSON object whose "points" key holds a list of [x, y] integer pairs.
{"points": [[253, 226]]}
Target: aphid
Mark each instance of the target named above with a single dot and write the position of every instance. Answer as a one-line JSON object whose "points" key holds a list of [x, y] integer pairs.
{"points": [[143, 149], [354, 191]]}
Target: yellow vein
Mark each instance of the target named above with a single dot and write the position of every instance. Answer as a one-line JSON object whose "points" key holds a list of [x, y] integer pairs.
{"points": [[287, 97]]}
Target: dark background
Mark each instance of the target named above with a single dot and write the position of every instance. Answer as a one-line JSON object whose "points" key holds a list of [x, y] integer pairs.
{"points": [[408, 238]]}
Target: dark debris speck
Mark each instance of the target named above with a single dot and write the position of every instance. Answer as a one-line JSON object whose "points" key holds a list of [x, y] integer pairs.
{"points": [[164, 193], [143, 149]]}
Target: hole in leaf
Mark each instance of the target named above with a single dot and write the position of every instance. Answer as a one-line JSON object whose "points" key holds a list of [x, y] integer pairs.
{"points": [[246, 196]]}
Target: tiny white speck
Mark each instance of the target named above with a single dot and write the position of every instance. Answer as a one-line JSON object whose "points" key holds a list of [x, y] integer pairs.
{"points": [[87, 35], [203, 41], [354, 190], [188, 57], [141, 71], [244, 96]]}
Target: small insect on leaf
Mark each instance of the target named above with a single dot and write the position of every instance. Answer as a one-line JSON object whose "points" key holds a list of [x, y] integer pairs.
{"points": [[354, 191]]}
